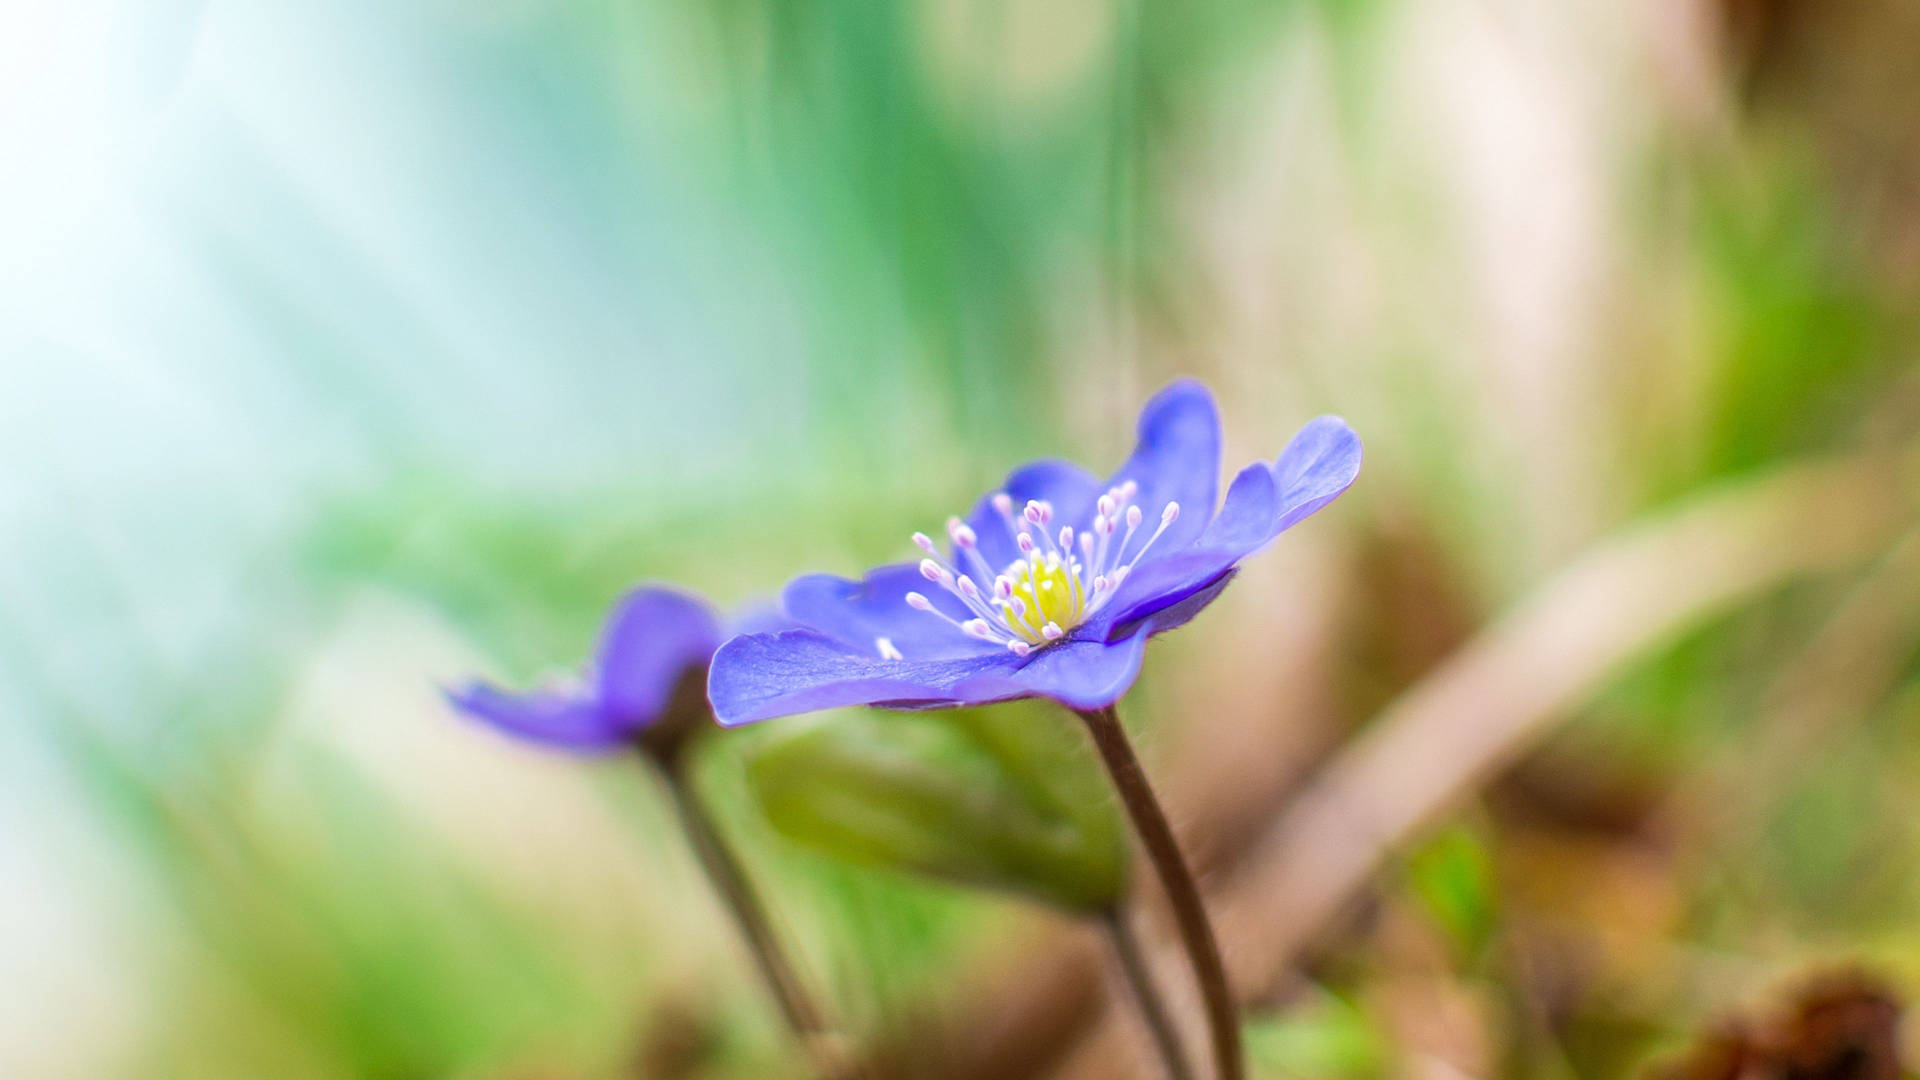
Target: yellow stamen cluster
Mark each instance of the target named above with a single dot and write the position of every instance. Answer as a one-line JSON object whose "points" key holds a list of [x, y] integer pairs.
{"points": [[1049, 593], [1055, 584]]}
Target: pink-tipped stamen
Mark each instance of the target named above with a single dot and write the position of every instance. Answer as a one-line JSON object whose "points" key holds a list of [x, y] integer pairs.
{"points": [[1076, 571], [1167, 517]]}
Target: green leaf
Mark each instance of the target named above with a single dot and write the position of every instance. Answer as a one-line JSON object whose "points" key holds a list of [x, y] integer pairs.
{"points": [[1005, 798], [1452, 875], [1324, 1037]]}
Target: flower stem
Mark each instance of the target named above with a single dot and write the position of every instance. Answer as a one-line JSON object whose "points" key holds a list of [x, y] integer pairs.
{"points": [[729, 880], [1196, 933], [1153, 1008]]}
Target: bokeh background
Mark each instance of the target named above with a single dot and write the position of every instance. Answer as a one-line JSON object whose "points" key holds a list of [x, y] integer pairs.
{"points": [[347, 347]]}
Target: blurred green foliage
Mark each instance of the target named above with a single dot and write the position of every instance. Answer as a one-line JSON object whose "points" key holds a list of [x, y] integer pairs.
{"points": [[1452, 875], [351, 347], [1322, 1037]]}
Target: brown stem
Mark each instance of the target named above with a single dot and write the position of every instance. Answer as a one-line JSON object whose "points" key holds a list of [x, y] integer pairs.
{"points": [[729, 880], [1153, 1008], [1183, 894]]}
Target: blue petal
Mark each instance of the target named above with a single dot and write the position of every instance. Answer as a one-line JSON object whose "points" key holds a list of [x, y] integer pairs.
{"points": [[1177, 459], [1080, 673], [1178, 613], [1161, 581], [1321, 462], [762, 676], [758, 617], [651, 639], [1318, 465], [859, 613], [1246, 517], [565, 719], [1071, 489]]}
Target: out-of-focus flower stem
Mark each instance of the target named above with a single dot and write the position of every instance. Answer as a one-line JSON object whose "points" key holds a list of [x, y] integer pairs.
{"points": [[1183, 894], [1153, 1007], [823, 1046]]}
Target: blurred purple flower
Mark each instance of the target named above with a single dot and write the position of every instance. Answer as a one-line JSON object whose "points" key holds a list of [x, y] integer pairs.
{"points": [[1052, 584], [655, 643]]}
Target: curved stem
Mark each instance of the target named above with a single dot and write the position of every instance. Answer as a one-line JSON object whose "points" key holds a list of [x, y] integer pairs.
{"points": [[1183, 894], [729, 880], [1153, 1008]]}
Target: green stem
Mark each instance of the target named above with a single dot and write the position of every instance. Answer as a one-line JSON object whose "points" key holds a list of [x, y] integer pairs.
{"points": [[1183, 894], [1153, 1007], [729, 880]]}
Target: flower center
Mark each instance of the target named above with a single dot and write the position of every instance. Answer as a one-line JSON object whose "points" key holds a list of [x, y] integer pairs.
{"points": [[1060, 579]]}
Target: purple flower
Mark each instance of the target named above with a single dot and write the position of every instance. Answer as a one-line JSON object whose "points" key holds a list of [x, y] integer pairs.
{"points": [[655, 643], [1052, 584]]}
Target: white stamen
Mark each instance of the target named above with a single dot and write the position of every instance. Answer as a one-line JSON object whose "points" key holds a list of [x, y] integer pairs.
{"points": [[961, 534], [1040, 513], [938, 614], [1067, 572], [969, 594], [887, 651], [1003, 505], [1167, 517], [968, 543], [951, 571]]}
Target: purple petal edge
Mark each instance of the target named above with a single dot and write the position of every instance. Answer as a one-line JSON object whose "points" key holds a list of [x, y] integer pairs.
{"points": [[557, 719], [653, 636]]}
